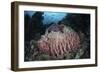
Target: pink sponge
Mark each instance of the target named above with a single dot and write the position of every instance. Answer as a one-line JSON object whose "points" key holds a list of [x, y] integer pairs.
{"points": [[58, 43]]}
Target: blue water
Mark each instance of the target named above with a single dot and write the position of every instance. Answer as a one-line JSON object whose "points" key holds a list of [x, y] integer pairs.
{"points": [[49, 17]]}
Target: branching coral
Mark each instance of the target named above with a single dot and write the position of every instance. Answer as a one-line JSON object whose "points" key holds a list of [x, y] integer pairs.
{"points": [[56, 43]]}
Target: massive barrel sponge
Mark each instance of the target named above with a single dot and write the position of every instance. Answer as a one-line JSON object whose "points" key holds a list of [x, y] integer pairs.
{"points": [[56, 43]]}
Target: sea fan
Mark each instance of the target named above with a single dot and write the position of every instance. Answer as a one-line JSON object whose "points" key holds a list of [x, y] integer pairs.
{"points": [[57, 43]]}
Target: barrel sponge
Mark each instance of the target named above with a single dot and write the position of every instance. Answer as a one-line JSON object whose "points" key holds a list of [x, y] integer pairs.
{"points": [[56, 43]]}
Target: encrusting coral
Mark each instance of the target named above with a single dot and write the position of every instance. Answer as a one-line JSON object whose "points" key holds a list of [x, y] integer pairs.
{"points": [[59, 40]]}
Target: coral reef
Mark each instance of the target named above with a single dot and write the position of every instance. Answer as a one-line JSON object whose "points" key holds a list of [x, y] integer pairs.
{"points": [[68, 38]]}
